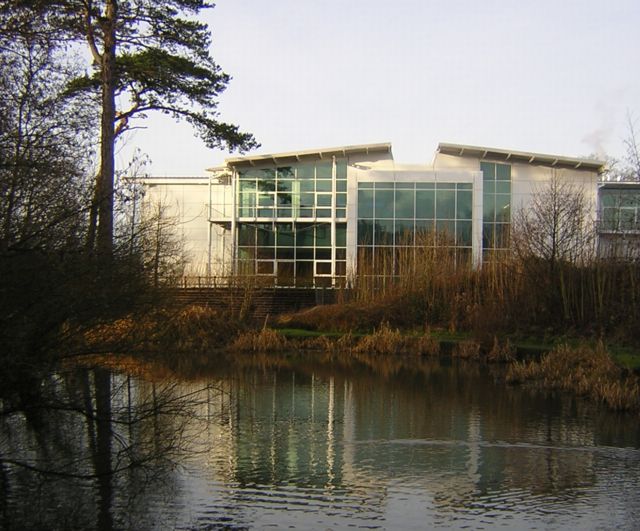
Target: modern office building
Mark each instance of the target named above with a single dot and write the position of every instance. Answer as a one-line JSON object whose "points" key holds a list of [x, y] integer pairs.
{"points": [[310, 217]]}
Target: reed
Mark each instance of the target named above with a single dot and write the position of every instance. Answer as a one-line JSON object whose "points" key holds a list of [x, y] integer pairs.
{"points": [[584, 370], [263, 340]]}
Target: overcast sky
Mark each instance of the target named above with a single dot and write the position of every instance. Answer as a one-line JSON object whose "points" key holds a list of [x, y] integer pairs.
{"points": [[551, 76]]}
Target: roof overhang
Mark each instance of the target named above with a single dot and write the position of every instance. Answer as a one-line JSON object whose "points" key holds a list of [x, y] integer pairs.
{"points": [[522, 157], [309, 155], [620, 185]]}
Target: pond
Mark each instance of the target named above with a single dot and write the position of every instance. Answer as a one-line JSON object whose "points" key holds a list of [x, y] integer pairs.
{"points": [[315, 443]]}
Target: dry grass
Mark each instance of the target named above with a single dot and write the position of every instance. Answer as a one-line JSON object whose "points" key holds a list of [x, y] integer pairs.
{"points": [[264, 340], [469, 350], [585, 371], [388, 340], [188, 329]]}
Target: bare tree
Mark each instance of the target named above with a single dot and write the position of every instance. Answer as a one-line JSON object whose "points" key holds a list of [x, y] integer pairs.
{"points": [[555, 226]]}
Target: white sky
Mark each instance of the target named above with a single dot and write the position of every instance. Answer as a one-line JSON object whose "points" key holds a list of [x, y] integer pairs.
{"points": [[552, 76]]}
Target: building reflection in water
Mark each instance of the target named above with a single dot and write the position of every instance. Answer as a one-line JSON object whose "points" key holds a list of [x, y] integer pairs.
{"points": [[378, 442]]}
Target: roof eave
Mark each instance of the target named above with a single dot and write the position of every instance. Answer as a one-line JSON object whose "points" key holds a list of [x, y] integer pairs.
{"points": [[554, 161]]}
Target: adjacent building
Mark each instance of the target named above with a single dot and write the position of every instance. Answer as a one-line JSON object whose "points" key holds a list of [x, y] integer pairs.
{"points": [[312, 217]]}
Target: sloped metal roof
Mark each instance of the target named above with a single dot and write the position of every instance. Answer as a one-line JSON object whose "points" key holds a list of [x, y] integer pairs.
{"points": [[311, 154], [523, 157]]}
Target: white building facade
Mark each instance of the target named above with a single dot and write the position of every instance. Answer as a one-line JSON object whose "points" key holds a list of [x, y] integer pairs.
{"points": [[308, 218]]}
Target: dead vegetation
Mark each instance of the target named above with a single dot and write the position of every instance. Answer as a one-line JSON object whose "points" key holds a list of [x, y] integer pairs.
{"points": [[585, 371]]}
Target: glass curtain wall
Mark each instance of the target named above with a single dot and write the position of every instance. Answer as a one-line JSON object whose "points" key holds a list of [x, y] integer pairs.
{"points": [[496, 215], [395, 218], [619, 210], [286, 218]]}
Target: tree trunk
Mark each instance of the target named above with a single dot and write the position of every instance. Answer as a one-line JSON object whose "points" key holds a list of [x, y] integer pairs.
{"points": [[104, 183]]}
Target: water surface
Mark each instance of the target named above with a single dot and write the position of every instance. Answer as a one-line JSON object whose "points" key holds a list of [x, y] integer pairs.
{"points": [[325, 444]]}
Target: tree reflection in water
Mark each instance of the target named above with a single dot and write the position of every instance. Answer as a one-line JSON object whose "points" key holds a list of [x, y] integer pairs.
{"points": [[86, 442], [333, 440]]}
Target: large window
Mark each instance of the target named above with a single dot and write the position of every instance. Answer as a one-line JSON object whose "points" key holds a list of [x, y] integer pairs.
{"points": [[396, 217], [295, 253], [619, 210], [496, 200], [299, 191]]}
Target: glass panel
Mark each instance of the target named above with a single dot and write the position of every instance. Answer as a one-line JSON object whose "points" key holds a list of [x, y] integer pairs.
{"points": [[503, 187], [266, 236], [324, 186], [286, 172], [265, 199], [446, 230], [285, 235], [265, 253], [365, 232], [284, 186], [341, 235], [341, 254], [424, 227], [445, 204], [503, 172], [463, 233], [488, 170], [304, 235], [341, 186], [383, 232], [404, 203], [610, 218], [284, 199], [383, 204], [265, 268], [304, 254], [384, 185], [307, 200], [465, 186], [489, 208], [324, 170], [341, 169], [323, 200], [341, 268], [304, 272], [305, 171], [503, 211], [286, 253], [265, 212], [323, 254], [404, 232], [487, 235], [607, 199], [501, 235], [341, 213], [425, 204], [305, 213], [323, 235], [246, 235], [247, 186], [323, 268], [246, 253], [323, 212], [425, 186], [464, 204], [489, 187], [365, 203], [365, 186], [445, 186], [405, 186], [284, 212], [307, 186], [341, 200]]}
